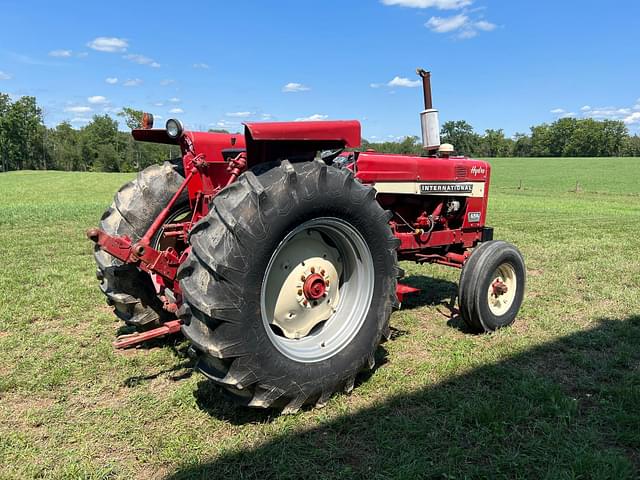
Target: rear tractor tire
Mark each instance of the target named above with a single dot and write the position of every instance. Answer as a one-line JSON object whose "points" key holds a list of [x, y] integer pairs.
{"points": [[135, 206], [492, 285], [290, 284]]}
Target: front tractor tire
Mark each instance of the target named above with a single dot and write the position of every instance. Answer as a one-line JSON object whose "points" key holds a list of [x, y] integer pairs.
{"points": [[491, 288], [135, 206], [289, 285]]}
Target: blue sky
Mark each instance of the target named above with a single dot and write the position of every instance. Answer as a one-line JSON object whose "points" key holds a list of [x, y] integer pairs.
{"points": [[496, 63]]}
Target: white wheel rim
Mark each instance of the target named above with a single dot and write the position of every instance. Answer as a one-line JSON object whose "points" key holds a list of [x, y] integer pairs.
{"points": [[334, 254], [502, 289]]}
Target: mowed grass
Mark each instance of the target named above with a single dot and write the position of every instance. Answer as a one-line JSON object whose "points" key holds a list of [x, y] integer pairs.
{"points": [[555, 396]]}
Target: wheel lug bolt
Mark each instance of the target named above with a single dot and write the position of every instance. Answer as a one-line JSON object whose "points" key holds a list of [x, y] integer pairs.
{"points": [[313, 269], [303, 278], [299, 292]]}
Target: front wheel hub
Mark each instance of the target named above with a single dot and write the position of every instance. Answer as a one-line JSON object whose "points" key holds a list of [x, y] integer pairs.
{"points": [[502, 290]]}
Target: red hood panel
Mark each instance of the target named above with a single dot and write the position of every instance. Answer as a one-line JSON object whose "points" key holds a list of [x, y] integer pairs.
{"points": [[347, 131]]}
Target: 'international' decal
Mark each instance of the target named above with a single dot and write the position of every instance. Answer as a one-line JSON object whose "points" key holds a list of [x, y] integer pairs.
{"points": [[427, 188]]}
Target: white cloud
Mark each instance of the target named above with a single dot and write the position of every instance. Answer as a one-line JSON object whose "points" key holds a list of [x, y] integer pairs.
{"points": [[403, 82], [80, 120], [466, 34], [111, 80], [484, 26], [239, 114], [313, 118], [78, 109], [174, 100], [97, 100], [632, 119], [439, 4], [176, 110], [108, 44], [167, 81], [628, 115], [60, 53], [141, 60], [465, 26], [224, 124], [4, 76], [200, 65], [376, 85], [447, 24], [158, 104], [132, 82], [295, 87]]}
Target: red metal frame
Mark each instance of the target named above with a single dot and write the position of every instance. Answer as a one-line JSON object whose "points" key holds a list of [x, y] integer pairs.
{"points": [[428, 229]]}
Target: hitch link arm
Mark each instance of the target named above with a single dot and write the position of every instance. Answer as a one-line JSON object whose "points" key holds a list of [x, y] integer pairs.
{"points": [[164, 263]]}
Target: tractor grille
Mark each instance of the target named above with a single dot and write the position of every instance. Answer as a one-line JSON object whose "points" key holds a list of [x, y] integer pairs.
{"points": [[461, 171]]}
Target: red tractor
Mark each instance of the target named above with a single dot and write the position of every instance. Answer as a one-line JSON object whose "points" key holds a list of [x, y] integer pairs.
{"points": [[281, 267]]}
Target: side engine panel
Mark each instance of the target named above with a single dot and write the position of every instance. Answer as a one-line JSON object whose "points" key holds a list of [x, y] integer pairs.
{"points": [[437, 202]]}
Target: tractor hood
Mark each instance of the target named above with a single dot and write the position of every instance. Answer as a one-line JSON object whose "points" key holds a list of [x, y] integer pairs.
{"points": [[298, 140], [346, 132]]}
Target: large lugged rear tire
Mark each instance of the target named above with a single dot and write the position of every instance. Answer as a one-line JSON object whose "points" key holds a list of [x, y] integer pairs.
{"points": [[135, 206], [290, 284]]}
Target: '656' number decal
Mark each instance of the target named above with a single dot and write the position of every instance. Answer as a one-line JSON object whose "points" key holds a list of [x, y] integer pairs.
{"points": [[474, 217]]}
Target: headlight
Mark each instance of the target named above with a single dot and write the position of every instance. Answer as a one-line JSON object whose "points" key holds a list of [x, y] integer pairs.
{"points": [[174, 128]]}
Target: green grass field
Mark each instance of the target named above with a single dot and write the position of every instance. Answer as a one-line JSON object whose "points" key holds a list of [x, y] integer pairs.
{"points": [[555, 396]]}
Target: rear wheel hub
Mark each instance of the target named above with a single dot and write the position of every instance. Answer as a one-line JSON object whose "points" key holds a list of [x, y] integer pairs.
{"points": [[314, 287], [317, 289]]}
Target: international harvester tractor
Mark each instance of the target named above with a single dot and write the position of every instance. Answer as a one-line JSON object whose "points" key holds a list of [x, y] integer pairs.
{"points": [[279, 263]]}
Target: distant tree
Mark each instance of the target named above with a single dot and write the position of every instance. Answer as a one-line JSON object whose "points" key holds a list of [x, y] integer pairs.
{"points": [[65, 148], [100, 132], [541, 141], [615, 136], [407, 146], [132, 117], [461, 135], [521, 145], [631, 146], [494, 144], [5, 105]]}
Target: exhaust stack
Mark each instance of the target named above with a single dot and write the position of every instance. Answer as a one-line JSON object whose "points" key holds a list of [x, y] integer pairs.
{"points": [[429, 119]]}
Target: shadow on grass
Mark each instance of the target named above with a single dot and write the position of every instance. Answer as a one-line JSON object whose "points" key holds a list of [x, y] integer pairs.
{"points": [[566, 409], [438, 293], [433, 292]]}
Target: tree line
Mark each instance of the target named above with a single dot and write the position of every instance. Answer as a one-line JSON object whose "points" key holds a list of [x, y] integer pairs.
{"points": [[567, 137], [27, 143]]}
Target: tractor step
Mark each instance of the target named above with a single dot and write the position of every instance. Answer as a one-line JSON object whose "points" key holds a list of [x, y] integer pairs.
{"points": [[127, 341], [402, 290]]}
